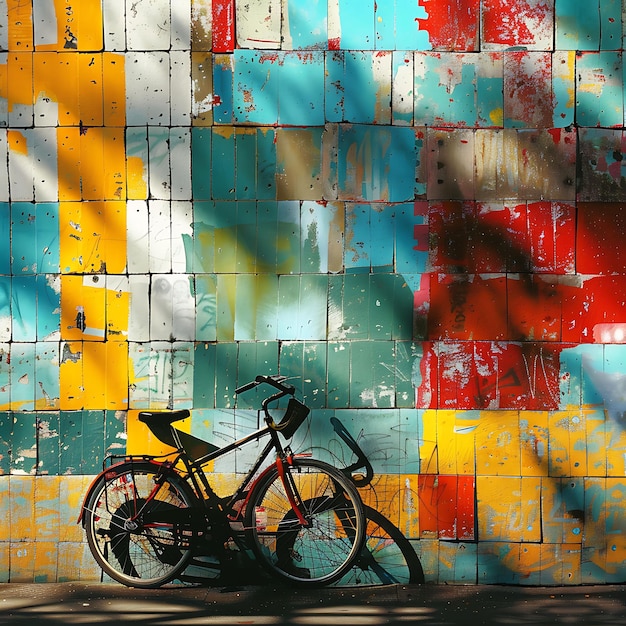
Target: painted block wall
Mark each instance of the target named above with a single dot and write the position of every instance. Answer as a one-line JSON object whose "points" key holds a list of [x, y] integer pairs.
{"points": [[414, 209]]}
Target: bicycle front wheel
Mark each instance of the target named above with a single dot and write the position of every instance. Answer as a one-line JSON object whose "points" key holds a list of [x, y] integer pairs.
{"points": [[315, 541], [138, 524]]}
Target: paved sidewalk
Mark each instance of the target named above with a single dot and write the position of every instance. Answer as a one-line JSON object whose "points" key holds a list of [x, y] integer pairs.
{"points": [[77, 603]]}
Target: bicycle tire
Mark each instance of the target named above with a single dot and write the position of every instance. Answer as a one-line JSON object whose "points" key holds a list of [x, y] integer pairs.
{"points": [[387, 556], [139, 542], [321, 552]]}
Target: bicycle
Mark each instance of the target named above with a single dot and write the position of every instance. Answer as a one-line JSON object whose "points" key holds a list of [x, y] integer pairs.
{"points": [[147, 516]]}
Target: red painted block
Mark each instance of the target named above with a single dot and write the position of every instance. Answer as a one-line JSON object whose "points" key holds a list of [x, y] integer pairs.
{"points": [[481, 375], [552, 235], [223, 25], [452, 24], [517, 22], [427, 395], [446, 507], [600, 238]]}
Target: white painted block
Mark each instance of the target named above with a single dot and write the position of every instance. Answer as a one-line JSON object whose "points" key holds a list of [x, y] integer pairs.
{"points": [[45, 165], [181, 88], [258, 24], [4, 167], [148, 25], [139, 317], [4, 29], [180, 163], [161, 307], [159, 236], [114, 18], [147, 88], [138, 259], [159, 162], [180, 25], [181, 218], [44, 22]]}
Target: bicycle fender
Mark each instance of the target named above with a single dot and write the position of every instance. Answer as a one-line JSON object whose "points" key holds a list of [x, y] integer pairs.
{"points": [[111, 468]]}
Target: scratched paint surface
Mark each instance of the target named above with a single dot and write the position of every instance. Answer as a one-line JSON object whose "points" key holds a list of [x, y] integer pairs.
{"points": [[413, 209]]}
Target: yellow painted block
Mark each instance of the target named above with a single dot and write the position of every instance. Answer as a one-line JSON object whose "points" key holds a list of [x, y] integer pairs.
{"points": [[70, 236], [568, 442], [136, 178], [47, 523], [595, 424], [45, 561], [22, 509], [117, 308], [5, 562], [560, 564], [534, 443], [498, 444], [5, 509], [428, 451], [115, 174], [75, 562], [20, 78], [72, 490], [67, 88], [446, 442], [615, 451], [114, 84], [105, 375], [142, 441], [508, 508], [92, 163], [22, 558], [83, 308], [86, 22], [91, 93], [465, 425], [71, 376], [68, 149]]}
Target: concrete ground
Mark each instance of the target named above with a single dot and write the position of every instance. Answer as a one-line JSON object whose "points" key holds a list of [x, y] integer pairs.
{"points": [[79, 603]]}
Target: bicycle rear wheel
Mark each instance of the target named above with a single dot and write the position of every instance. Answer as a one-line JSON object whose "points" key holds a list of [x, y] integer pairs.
{"points": [[323, 548], [139, 524]]}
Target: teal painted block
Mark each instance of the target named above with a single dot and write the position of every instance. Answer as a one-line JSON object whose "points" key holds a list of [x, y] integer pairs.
{"points": [[267, 225], [247, 232], [301, 94], [245, 167], [412, 246], [410, 441], [6, 437], [204, 375], [564, 106], [358, 239], [335, 307], [382, 238], [372, 380], [201, 162], [312, 307], [577, 25], [356, 18], [316, 227], [48, 295], [611, 35], [225, 307], [206, 307], [314, 374], [48, 443], [223, 89], [267, 307], [288, 307], [407, 358], [385, 25], [5, 238], [600, 102], [381, 311], [291, 362], [338, 366], [245, 307], [223, 165], [289, 237], [361, 87], [114, 433], [203, 245], [266, 164], [356, 295], [24, 443], [225, 374], [255, 358], [225, 224], [252, 68]]}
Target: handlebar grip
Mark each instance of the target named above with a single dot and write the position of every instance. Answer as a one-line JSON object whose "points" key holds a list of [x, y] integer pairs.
{"points": [[246, 387]]}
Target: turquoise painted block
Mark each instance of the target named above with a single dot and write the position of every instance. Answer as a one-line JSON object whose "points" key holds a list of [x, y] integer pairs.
{"points": [[490, 99], [314, 374], [372, 381], [358, 245], [24, 308], [308, 24], [204, 375], [201, 162], [252, 105], [255, 358], [564, 106], [223, 165], [225, 223], [203, 245], [225, 307], [335, 307], [362, 103], [577, 25], [338, 364], [313, 306], [92, 441], [411, 253], [316, 219], [408, 35], [382, 242], [47, 391], [23, 379], [223, 89], [245, 167], [334, 88], [291, 362], [611, 35], [245, 307], [385, 14], [403, 321], [289, 237], [266, 164], [23, 238], [356, 294], [247, 232], [301, 93], [267, 244], [410, 441], [402, 88], [47, 292], [356, 18], [267, 307], [381, 310], [288, 323], [47, 224], [5, 238], [600, 102]]}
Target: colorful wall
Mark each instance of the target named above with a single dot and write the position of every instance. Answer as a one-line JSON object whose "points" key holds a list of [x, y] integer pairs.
{"points": [[415, 208]]}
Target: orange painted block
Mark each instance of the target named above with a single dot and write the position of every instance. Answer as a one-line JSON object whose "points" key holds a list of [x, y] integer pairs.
{"points": [[114, 151], [114, 89], [83, 309], [526, 560], [5, 509], [498, 444], [20, 80], [22, 510], [20, 24], [47, 508], [597, 442], [71, 376], [69, 156], [68, 88], [91, 92], [105, 375], [72, 490], [45, 561], [75, 562], [534, 443], [560, 564], [22, 559]]}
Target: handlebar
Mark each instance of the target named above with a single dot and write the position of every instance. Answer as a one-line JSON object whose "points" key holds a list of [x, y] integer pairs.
{"points": [[275, 381]]}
